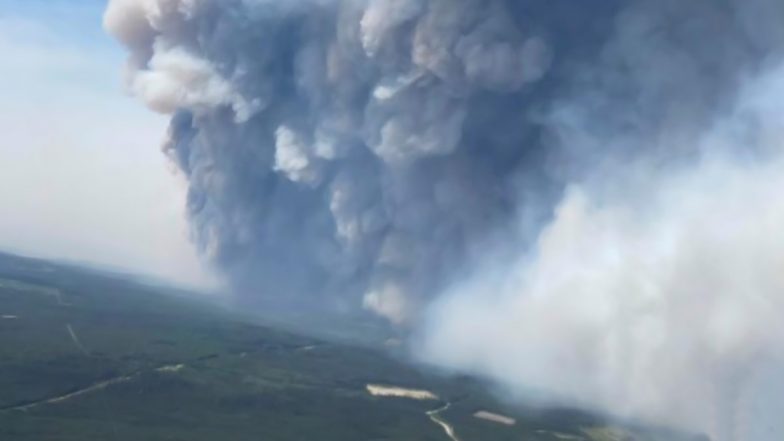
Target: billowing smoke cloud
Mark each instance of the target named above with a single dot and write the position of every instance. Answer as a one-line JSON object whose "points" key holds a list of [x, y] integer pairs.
{"points": [[340, 149], [652, 292], [364, 153]]}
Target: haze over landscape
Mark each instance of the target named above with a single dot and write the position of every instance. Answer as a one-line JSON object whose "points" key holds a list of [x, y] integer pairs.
{"points": [[575, 204], [74, 188]]}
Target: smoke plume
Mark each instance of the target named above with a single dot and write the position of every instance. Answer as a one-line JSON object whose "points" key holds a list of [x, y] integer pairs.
{"points": [[572, 196], [652, 292]]}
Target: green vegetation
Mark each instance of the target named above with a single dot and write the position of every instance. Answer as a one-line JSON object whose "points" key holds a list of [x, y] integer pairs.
{"points": [[89, 356]]}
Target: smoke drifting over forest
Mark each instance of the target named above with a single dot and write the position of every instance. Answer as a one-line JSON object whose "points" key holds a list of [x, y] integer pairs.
{"points": [[575, 196]]}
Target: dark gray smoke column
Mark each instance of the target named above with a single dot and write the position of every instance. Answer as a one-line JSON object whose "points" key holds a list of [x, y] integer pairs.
{"points": [[359, 151]]}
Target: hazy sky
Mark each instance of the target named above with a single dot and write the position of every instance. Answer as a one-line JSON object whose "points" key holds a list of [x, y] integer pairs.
{"points": [[81, 174]]}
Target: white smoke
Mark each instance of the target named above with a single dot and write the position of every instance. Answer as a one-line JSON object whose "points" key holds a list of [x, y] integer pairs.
{"points": [[653, 292]]}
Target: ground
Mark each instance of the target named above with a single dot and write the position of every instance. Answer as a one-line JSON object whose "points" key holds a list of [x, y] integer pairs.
{"points": [[86, 355]]}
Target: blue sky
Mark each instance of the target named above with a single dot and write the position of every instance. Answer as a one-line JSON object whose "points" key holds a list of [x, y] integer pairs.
{"points": [[81, 174]]}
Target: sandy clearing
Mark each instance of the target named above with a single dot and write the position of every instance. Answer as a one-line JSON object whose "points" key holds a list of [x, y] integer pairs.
{"points": [[495, 418], [393, 391], [171, 368]]}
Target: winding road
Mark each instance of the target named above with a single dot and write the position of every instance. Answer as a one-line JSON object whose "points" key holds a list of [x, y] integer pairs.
{"points": [[434, 416]]}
